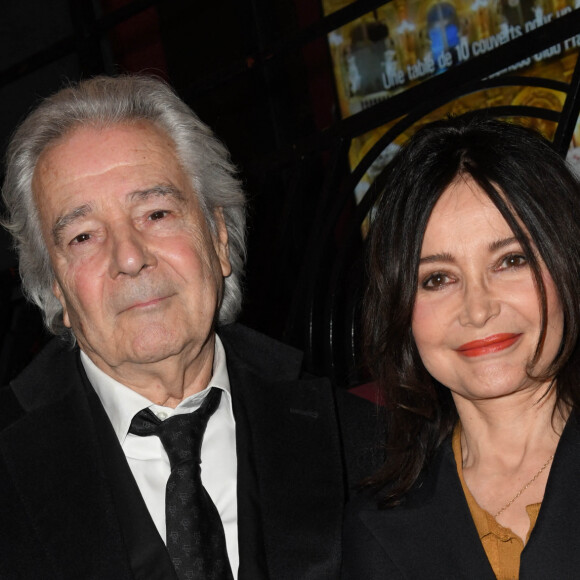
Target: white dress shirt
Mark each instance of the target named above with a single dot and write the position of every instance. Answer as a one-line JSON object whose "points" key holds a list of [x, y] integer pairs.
{"points": [[148, 460]]}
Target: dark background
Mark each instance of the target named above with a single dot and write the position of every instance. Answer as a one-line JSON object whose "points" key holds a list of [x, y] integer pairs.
{"points": [[259, 73]]}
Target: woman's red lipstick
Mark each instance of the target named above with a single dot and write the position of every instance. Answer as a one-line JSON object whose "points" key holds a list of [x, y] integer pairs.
{"points": [[488, 345]]}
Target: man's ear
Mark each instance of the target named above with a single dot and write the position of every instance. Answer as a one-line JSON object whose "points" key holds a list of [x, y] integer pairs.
{"points": [[221, 242], [57, 291]]}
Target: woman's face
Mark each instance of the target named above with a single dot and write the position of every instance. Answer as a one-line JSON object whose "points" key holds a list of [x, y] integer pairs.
{"points": [[477, 314]]}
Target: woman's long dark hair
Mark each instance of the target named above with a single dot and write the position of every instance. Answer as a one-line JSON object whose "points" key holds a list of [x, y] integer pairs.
{"points": [[539, 198]]}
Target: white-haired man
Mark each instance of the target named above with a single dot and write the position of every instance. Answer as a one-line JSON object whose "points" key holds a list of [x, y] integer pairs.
{"points": [[129, 224]]}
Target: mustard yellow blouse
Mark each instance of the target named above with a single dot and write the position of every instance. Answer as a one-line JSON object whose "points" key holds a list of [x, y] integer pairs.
{"points": [[502, 547]]}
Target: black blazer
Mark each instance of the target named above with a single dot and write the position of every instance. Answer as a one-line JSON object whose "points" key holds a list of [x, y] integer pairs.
{"points": [[70, 508], [433, 535]]}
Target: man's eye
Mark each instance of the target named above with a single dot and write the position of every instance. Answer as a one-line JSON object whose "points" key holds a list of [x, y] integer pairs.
{"points": [[80, 238], [158, 215], [436, 281]]}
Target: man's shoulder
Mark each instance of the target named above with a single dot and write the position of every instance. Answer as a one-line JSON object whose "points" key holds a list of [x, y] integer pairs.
{"points": [[46, 375], [260, 354], [357, 418]]}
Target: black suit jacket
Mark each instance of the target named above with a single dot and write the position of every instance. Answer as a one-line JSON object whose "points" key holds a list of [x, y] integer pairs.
{"points": [[433, 535], [70, 508]]}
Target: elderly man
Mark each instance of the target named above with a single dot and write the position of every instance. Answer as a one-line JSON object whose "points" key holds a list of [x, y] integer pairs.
{"points": [[129, 224]]}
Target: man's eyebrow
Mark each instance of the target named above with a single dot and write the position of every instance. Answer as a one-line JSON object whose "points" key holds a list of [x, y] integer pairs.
{"points": [[64, 221], [160, 190]]}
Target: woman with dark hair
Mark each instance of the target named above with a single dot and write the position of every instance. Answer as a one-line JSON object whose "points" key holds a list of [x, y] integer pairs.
{"points": [[472, 317]]}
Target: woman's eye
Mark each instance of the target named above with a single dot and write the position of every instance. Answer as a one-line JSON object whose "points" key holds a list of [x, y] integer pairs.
{"points": [[513, 261], [80, 238], [158, 215], [436, 281]]}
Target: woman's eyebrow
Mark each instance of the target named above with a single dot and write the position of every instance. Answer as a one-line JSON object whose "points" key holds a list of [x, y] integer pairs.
{"points": [[444, 257], [499, 244]]}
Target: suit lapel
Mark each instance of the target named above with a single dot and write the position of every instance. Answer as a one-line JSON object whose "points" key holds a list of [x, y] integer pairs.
{"points": [[250, 533], [433, 534], [148, 556], [288, 444], [552, 551]]}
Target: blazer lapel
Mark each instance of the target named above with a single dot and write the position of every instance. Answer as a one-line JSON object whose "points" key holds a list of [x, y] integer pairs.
{"points": [[432, 535], [251, 549], [552, 551], [148, 556]]}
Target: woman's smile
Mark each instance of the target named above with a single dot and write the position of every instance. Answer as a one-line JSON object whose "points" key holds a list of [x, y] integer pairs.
{"points": [[489, 344]]}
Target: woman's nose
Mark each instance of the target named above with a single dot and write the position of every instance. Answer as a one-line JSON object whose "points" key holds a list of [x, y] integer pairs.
{"points": [[479, 305]]}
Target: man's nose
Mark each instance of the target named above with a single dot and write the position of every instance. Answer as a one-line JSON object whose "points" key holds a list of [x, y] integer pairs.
{"points": [[129, 252], [479, 305]]}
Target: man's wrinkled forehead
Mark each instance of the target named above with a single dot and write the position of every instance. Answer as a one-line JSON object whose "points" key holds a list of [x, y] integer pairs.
{"points": [[80, 168], [104, 135]]}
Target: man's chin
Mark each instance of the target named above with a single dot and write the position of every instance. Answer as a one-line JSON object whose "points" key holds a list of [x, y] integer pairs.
{"points": [[154, 345], [145, 346]]}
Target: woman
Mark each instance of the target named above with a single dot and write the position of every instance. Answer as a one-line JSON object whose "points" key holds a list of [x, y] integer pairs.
{"points": [[471, 322]]}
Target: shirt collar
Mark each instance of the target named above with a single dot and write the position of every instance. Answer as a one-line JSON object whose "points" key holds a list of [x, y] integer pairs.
{"points": [[122, 403]]}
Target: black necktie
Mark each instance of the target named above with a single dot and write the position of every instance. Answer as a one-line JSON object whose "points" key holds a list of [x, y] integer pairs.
{"points": [[195, 535]]}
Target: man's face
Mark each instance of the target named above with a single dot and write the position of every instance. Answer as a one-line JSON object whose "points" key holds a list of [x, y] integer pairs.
{"points": [[138, 272]]}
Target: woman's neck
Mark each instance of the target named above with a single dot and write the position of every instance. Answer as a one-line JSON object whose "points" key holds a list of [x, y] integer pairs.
{"points": [[504, 431], [507, 447]]}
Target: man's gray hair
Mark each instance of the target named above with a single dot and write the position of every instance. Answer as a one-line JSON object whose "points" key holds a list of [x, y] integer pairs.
{"points": [[103, 102]]}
